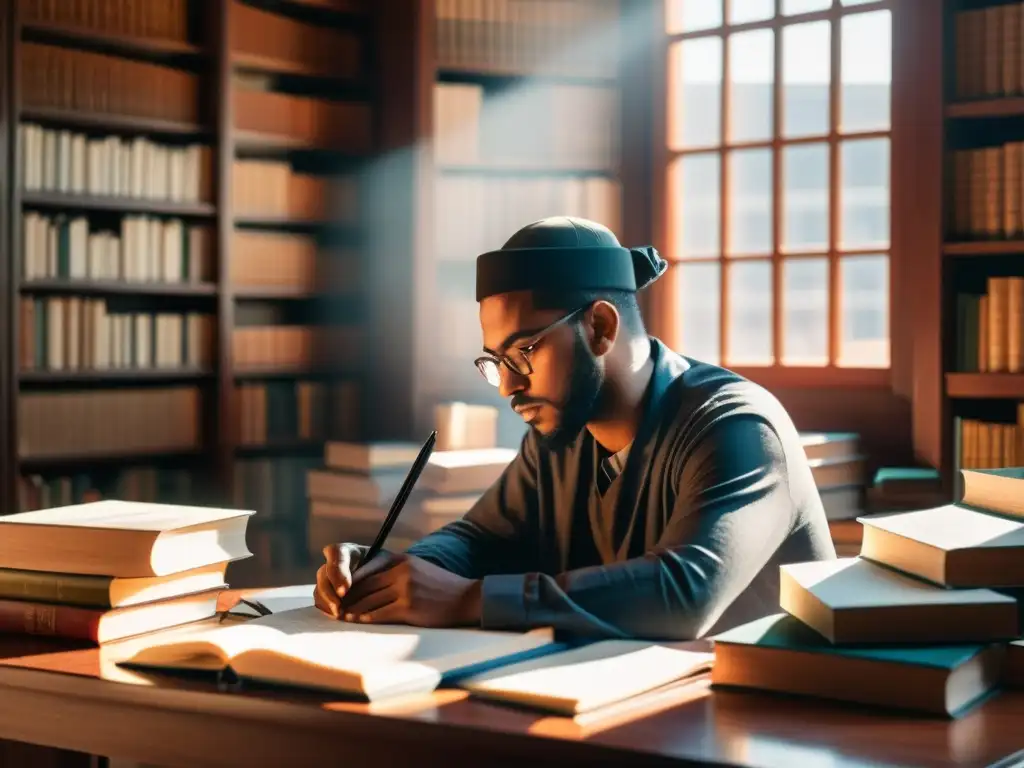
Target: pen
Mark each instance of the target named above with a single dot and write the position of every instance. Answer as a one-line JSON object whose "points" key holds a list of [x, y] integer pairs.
{"points": [[399, 502]]}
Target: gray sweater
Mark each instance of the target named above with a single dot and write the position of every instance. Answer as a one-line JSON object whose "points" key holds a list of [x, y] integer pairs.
{"points": [[714, 494]]}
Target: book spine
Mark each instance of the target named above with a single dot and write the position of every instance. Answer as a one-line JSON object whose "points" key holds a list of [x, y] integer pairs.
{"points": [[17, 617], [70, 589]]}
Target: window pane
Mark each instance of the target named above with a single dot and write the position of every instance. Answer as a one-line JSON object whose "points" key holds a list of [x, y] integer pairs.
{"points": [[866, 71], [751, 73], [750, 201], [805, 197], [864, 196], [695, 93], [750, 313], [806, 71], [805, 312], [790, 7], [694, 185], [700, 309], [743, 11], [864, 303], [692, 15]]}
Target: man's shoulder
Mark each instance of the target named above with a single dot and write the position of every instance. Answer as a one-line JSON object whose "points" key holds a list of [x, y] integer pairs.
{"points": [[708, 388]]}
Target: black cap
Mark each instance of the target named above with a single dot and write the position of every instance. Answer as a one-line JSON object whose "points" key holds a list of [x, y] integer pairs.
{"points": [[564, 252]]}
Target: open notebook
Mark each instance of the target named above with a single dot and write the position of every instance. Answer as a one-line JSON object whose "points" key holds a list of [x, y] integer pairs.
{"points": [[583, 679], [308, 649]]}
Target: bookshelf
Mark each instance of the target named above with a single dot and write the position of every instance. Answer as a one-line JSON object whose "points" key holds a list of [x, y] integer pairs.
{"points": [[983, 280], [183, 207]]}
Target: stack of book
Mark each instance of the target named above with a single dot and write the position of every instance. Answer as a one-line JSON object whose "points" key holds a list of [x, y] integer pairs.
{"points": [[109, 570], [926, 617], [838, 467], [350, 497]]}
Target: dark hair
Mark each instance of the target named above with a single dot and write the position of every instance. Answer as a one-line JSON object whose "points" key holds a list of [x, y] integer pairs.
{"points": [[624, 301]]}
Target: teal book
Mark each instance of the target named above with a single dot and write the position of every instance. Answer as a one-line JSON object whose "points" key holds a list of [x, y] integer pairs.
{"points": [[782, 655]]}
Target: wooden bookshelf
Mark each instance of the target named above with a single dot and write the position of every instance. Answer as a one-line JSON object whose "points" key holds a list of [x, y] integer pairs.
{"points": [[985, 386], [82, 244], [82, 36], [983, 294], [71, 202], [114, 375], [1007, 106], [985, 248], [107, 287], [67, 118]]}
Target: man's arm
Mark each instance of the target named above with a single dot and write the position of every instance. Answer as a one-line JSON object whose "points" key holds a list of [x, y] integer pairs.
{"points": [[496, 535], [733, 511]]}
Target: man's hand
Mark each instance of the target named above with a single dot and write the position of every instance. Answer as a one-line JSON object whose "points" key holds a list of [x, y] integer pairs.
{"points": [[335, 576], [403, 589]]}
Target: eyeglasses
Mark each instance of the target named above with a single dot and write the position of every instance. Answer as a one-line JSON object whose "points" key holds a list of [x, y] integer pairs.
{"points": [[517, 359]]}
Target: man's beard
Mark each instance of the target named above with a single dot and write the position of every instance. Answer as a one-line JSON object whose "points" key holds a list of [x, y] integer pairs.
{"points": [[582, 401]]}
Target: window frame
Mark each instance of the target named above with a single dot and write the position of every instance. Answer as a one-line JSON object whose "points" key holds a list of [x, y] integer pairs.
{"points": [[664, 310]]}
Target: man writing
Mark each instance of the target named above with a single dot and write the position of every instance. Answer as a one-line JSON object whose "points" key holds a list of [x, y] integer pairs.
{"points": [[654, 496]]}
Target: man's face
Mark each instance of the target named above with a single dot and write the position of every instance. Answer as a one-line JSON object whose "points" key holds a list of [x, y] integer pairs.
{"points": [[561, 394]]}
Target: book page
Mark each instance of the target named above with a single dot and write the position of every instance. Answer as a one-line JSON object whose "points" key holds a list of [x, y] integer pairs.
{"points": [[589, 677], [309, 634], [290, 645], [316, 651], [206, 647]]}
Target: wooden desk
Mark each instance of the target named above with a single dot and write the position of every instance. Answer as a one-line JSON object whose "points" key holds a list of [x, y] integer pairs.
{"points": [[77, 699]]}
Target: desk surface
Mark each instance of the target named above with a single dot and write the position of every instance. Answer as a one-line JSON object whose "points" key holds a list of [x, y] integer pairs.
{"points": [[57, 695]]}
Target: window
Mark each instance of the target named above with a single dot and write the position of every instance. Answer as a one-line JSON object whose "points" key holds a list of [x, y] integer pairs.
{"points": [[778, 181]]}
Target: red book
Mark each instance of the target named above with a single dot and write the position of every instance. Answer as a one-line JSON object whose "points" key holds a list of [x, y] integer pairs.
{"points": [[98, 625]]}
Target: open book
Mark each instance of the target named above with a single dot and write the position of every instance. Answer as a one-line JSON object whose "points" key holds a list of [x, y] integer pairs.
{"points": [[586, 678], [306, 648]]}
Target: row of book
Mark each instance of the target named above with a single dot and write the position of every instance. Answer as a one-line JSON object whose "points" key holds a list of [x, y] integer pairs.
{"points": [[920, 620], [80, 334], [83, 81], [531, 125], [349, 496], [166, 485], [556, 37], [296, 347], [166, 20], [474, 212], [148, 249], [75, 333], [292, 260], [990, 328], [276, 487], [264, 114], [272, 188], [980, 444], [271, 36], [60, 78], [144, 249], [109, 422], [68, 162], [986, 189], [987, 50], [283, 410]]}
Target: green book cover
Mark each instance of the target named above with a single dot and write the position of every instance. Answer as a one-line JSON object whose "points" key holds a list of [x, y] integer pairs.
{"points": [[784, 632]]}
